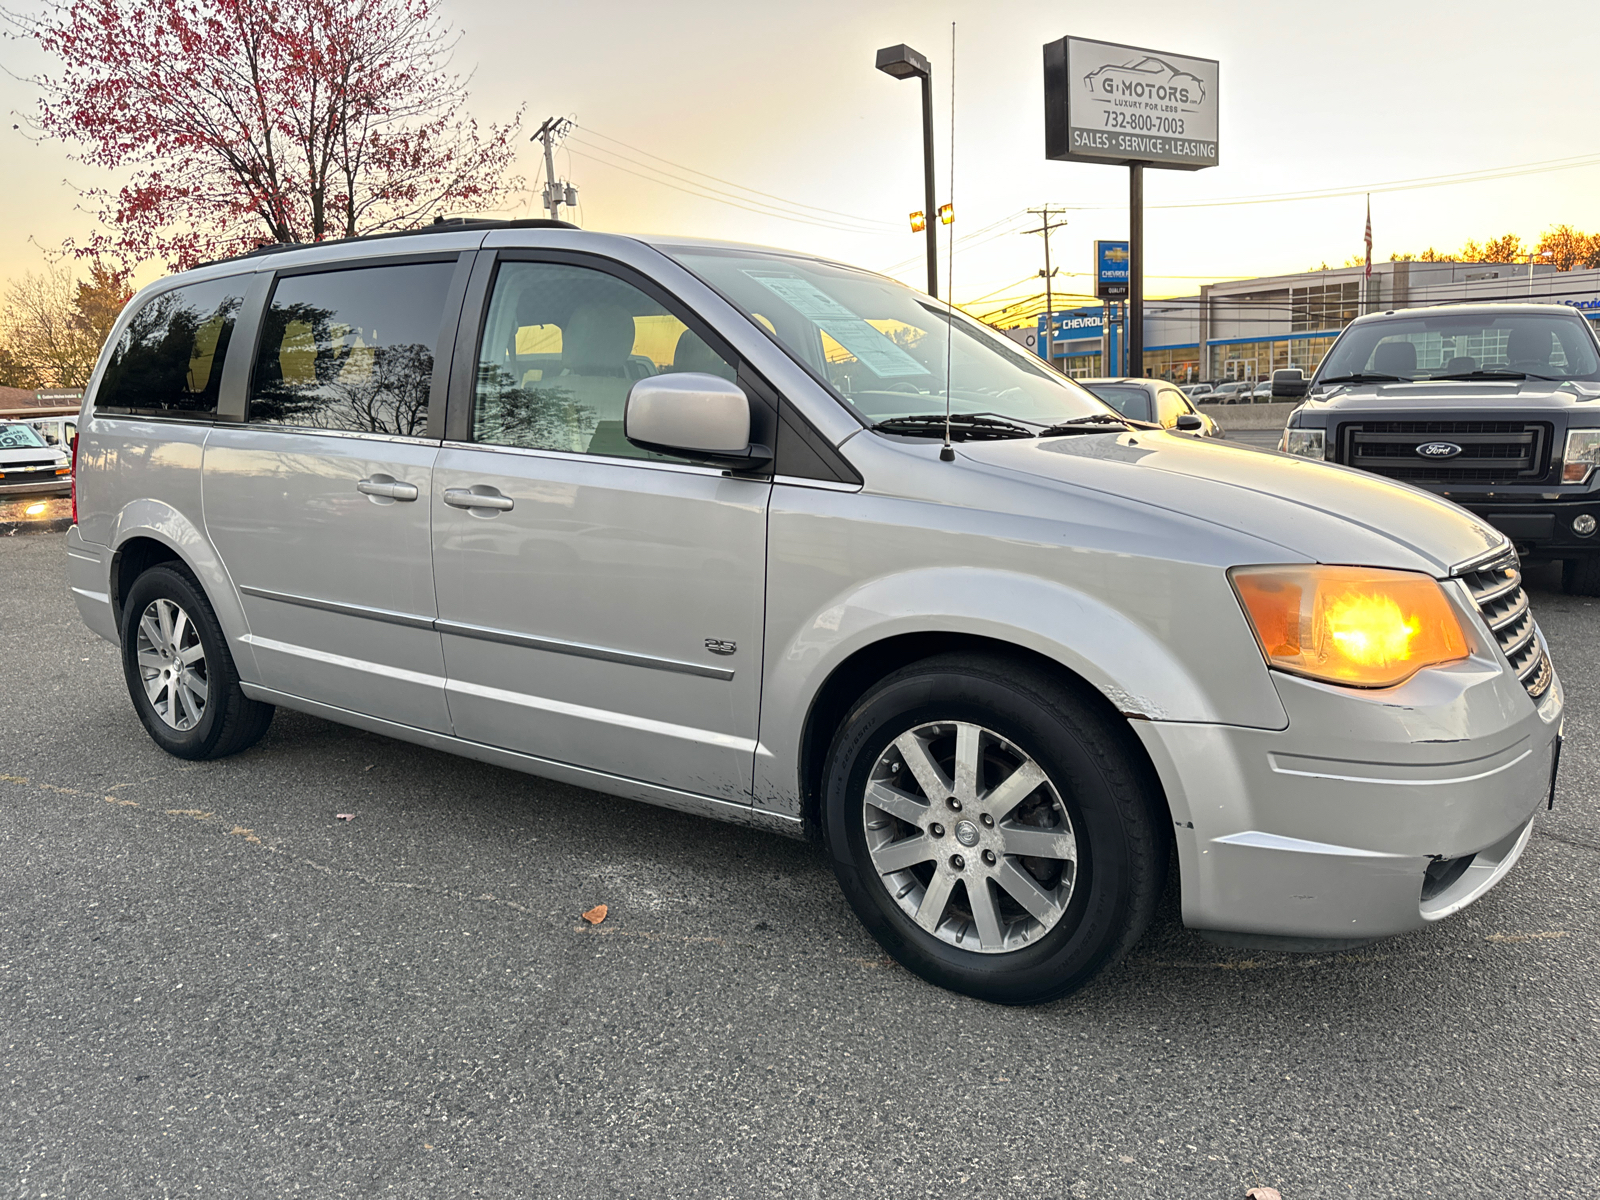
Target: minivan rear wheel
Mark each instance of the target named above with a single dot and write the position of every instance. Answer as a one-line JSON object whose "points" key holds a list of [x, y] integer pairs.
{"points": [[992, 829], [180, 675]]}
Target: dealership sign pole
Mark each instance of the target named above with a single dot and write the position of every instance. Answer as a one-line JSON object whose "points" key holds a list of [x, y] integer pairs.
{"points": [[1109, 103]]}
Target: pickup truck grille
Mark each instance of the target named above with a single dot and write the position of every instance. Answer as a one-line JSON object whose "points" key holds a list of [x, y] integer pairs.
{"points": [[1496, 589], [1491, 451]]}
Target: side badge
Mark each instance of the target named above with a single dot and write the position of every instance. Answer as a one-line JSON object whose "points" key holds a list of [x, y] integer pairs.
{"points": [[718, 646]]}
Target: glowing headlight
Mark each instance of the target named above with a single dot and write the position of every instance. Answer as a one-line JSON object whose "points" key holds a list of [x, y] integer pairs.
{"points": [[1360, 626], [1307, 443], [1583, 452]]}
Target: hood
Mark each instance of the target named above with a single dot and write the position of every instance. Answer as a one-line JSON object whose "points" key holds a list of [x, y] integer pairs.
{"points": [[1523, 395], [23, 455], [1320, 512]]}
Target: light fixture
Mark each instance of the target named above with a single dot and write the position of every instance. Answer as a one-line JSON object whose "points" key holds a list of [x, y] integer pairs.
{"points": [[33, 510], [947, 213], [919, 222]]}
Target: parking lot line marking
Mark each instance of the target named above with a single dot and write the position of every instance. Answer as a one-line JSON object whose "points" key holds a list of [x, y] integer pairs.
{"points": [[1504, 938]]}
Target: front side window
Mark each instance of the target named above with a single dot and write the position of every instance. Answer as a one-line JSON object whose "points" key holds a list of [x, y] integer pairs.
{"points": [[169, 358], [1465, 344], [351, 350], [887, 350], [562, 346], [1128, 399]]}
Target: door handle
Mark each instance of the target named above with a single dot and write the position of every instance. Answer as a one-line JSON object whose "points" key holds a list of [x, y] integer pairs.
{"points": [[467, 498], [388, 489]]}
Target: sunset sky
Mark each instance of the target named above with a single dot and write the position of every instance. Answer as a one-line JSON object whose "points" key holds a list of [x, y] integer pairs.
{"points": [[783, 99]]}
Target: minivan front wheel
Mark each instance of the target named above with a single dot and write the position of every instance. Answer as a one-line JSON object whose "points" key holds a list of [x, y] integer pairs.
{"points": [[992, 829], [180, 675]]}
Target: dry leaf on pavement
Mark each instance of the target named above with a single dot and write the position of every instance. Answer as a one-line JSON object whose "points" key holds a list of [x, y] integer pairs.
{"points": [[1263, 1193], [345, 816], [596, 914]]}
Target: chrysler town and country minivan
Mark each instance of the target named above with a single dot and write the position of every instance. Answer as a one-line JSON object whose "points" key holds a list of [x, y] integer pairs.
{"points": [[781, 542]]}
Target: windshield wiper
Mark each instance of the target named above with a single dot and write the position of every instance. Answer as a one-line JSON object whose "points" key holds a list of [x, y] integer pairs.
{"points": [[1481, 374], [964, 427], [1365, 377], [1085, 424]]}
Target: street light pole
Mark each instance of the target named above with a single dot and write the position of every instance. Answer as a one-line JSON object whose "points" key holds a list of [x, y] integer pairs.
{"points": [[905, 63]]}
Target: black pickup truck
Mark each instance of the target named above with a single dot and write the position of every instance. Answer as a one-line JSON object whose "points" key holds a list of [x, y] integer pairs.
{"points": [[1495, 406]]}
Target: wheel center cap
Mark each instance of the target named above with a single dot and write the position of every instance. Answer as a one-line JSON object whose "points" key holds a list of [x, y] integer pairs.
{"points": [[966, 833]]}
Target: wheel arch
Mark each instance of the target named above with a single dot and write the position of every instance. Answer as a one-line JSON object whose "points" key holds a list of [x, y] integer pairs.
{"points": [[855, 675], [148, 533]]}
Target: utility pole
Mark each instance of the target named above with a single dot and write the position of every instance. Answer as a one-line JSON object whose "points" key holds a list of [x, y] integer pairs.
{"points": [[1135, 269], [556, 192], [1044, 214]]}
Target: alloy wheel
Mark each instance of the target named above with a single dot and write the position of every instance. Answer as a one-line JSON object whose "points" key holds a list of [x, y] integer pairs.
{"points": [[172, 664], [969, 837]]}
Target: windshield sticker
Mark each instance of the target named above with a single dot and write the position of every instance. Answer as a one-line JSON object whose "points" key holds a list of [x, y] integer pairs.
{"points": [[873, 349]]}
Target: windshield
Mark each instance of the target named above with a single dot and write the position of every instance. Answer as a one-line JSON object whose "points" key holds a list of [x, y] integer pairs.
{"points": [[1465, 343], [1128, 399], [881, 345], [19, 437]]}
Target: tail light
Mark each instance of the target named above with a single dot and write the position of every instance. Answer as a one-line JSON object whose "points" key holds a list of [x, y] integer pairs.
{"points": [[74, 479]]}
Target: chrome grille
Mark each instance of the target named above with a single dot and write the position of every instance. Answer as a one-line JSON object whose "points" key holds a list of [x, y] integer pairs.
{"points": [[1496, 588]]}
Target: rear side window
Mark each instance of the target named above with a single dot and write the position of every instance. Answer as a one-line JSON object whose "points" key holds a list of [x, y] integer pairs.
{"points": [[351, 350], [168, 360]]}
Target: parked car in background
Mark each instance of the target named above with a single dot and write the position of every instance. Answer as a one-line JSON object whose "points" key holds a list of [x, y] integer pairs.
{"points": [[679, 521], [1261, 393], [56, 431], [1153, 400], [1197, 391], [30, 466], [1229, 393], [1493, 406]]}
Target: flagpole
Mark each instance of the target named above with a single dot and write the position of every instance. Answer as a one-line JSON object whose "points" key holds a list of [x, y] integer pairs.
{"points": [[1366, 281]]}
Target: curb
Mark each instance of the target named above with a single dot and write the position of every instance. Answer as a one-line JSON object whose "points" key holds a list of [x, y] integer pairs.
{"points": [[13, 528]]}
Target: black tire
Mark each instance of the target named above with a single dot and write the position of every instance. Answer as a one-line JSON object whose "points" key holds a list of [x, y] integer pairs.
{"points": [[1581, 576], [1090, 760], [229, 721]]}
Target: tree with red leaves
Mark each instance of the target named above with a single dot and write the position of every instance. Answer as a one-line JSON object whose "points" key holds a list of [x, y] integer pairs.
{"points": [[237, 122]]}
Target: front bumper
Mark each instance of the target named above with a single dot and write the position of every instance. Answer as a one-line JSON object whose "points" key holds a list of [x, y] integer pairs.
{"points": [[44, 485], [1540, 528], [1325, 830]]}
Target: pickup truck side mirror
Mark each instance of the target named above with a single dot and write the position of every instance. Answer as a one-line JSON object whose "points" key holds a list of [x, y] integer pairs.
{"points": [[1190, 422], [704, 418], [1289, 384]]}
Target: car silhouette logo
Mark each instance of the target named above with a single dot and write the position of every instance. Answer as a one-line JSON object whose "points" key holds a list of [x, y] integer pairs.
{"points": [[1147, 78], [1438, 449]]}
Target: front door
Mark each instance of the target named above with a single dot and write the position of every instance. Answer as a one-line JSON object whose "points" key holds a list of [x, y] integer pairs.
{"points": [[600, 606], [319, 503]]}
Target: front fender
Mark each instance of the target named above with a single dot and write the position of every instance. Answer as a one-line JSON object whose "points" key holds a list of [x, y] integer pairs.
{"points": [[161, 522], [1126, 661]]}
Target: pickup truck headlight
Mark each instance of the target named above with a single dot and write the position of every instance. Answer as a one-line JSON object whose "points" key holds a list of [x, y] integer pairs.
{"points": [[1583, 452], [1307, 443], [1358, 626]]}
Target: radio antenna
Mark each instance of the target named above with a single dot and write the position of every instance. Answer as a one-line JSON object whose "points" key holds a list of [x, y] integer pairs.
{"points": [[947, 452]]}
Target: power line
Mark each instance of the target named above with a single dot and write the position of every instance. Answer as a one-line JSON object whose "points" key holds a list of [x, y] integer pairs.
{"points": [[1488, 174], [722, 198], [831, 213]]}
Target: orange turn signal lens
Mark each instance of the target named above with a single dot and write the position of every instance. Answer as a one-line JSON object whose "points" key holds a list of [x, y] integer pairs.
{"points": [[1359, 626]]}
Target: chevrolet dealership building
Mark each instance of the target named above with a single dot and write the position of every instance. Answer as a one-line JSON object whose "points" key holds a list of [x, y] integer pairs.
{"points": [[1246, 329]]}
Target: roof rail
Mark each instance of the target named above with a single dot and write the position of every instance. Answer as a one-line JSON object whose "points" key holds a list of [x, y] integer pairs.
{"points": [[439, 225]]}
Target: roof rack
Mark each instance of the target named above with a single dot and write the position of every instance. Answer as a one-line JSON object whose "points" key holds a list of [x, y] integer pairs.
{"points": [[440, 225]]}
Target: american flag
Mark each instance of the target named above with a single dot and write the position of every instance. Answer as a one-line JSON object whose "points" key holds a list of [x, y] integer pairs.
{"points": [[1369, 237]]}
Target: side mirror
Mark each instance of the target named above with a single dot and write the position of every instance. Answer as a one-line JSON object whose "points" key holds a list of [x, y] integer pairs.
{"points": [[1190, 422], [1290, 384], [695, 416]]}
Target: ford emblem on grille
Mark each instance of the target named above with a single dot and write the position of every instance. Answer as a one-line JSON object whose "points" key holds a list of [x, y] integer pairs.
{"points": [[1438, 449]]}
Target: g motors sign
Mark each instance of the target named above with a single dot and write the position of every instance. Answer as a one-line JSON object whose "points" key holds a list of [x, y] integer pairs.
{"points": [[1109, 103]]}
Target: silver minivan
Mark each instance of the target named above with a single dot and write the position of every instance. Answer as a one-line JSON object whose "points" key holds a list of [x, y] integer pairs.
{"points": [[777, 541]]}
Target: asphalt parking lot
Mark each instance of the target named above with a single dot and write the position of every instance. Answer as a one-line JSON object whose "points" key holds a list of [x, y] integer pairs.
{"points": [[211, 985]]}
